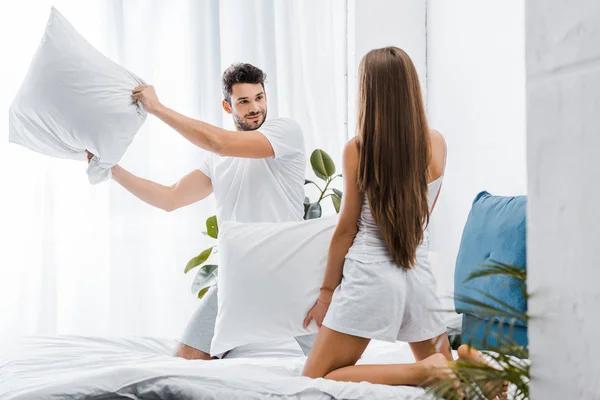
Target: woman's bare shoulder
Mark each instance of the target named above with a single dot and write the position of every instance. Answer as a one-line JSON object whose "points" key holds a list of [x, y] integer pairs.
{"points": [[437, 138], [438, 154]]}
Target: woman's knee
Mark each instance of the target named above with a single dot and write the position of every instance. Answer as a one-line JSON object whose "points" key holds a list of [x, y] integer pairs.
{"points": [[313, 373]]}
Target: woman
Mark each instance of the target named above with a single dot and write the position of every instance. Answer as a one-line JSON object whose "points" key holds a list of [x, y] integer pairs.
{"points": [[393, 171]]}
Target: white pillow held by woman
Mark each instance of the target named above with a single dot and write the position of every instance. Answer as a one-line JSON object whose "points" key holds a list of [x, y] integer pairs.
{"points": [[269, 277]]}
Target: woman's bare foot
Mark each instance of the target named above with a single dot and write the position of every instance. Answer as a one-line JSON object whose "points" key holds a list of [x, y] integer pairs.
{"points": [[436, 369], [493, 390]]}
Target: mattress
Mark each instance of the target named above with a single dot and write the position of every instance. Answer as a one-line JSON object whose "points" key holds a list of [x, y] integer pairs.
{"points": [[76, 367]]}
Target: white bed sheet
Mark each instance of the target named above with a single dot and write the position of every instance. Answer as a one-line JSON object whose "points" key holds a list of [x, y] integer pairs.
{"points": [[135, 368]]}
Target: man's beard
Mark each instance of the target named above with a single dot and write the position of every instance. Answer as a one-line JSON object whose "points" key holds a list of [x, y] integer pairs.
{"points": [[244, 126]]}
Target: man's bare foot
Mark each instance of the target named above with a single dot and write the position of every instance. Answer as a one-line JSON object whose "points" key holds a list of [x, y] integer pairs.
{"points": [[436, 369], [492, 390]]}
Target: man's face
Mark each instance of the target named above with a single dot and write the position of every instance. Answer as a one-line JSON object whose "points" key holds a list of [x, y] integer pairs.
{"points": [[248, 106]]}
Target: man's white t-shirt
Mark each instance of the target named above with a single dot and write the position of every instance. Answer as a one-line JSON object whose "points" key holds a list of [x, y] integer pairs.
{"points": [[262, 190]]}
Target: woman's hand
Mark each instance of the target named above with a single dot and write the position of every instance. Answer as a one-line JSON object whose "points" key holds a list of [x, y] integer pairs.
{"points": [[89, 156], [318, 311]]}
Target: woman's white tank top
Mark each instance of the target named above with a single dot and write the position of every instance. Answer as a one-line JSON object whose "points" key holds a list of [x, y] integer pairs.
{"points": [[368, 245]]}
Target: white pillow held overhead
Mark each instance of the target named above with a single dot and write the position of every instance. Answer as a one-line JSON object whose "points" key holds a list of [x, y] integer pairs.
{"points": [[74, 98], [269, 278]]}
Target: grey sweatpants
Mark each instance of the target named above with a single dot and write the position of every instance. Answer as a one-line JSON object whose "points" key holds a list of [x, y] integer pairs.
{"points": [[201, 328]]}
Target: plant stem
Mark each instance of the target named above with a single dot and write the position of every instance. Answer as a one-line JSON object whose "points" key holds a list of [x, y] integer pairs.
{"points": [[316, 185], [324, 190]]}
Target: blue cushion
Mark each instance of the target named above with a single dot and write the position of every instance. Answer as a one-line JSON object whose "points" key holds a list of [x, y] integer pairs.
{"points": [[485, 334], [495, 230]]}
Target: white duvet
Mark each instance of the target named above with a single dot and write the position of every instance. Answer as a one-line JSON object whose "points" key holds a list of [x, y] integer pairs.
{"points": [[142, 368]]}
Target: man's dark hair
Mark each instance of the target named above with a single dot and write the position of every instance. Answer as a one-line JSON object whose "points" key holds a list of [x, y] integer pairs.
{"points": [[241, 73]]}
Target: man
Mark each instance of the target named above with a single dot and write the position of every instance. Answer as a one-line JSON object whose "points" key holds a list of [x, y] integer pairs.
{"points": [[256, 174]]}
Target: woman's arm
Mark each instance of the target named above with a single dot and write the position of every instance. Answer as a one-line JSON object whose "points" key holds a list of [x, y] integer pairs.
{"points": [[343, 236]]}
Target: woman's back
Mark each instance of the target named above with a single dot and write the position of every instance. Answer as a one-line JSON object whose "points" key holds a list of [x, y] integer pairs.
{"points": [[368, 245]]}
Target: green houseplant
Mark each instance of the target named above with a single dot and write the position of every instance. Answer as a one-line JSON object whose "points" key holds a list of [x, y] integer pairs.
{"points": [[477, 380], [322, 166]]}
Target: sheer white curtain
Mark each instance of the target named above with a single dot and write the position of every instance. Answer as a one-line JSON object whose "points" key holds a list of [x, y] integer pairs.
{"points": [[87, 259]]}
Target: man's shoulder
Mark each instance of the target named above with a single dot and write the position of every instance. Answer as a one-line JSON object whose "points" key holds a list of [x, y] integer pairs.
{"points": [[284, 123]]}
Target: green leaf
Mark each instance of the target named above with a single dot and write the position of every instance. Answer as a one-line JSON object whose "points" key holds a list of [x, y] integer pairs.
{"points": [[313, 211], [337, 201], [337, 192], [204, 277], [483, 310], [476, 379], [199, 259], [517, 313], [212, 228], [203, 292], [498, 268], [322, 164], [208, 269], [306, 206]]}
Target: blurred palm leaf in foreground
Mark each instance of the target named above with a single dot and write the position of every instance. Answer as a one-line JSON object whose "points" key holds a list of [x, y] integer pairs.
{"points": [[508, 360]]}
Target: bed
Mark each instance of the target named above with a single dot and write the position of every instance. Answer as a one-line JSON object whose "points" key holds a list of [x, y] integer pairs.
{"points": [[76, 367]]}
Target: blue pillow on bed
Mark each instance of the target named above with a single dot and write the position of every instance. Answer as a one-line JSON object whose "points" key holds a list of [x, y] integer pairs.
{"points": [[495, 231]]}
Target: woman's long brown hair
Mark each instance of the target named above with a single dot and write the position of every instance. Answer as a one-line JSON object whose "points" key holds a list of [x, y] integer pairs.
{"points": [[394, 148]]}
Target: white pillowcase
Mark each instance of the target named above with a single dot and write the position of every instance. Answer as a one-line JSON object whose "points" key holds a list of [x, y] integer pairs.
{"points": [[269, 278], [74, 98]]}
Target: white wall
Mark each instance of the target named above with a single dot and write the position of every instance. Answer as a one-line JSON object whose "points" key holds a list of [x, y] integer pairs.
{"points": [[476, 99], [563, 103], [379, 23]]}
